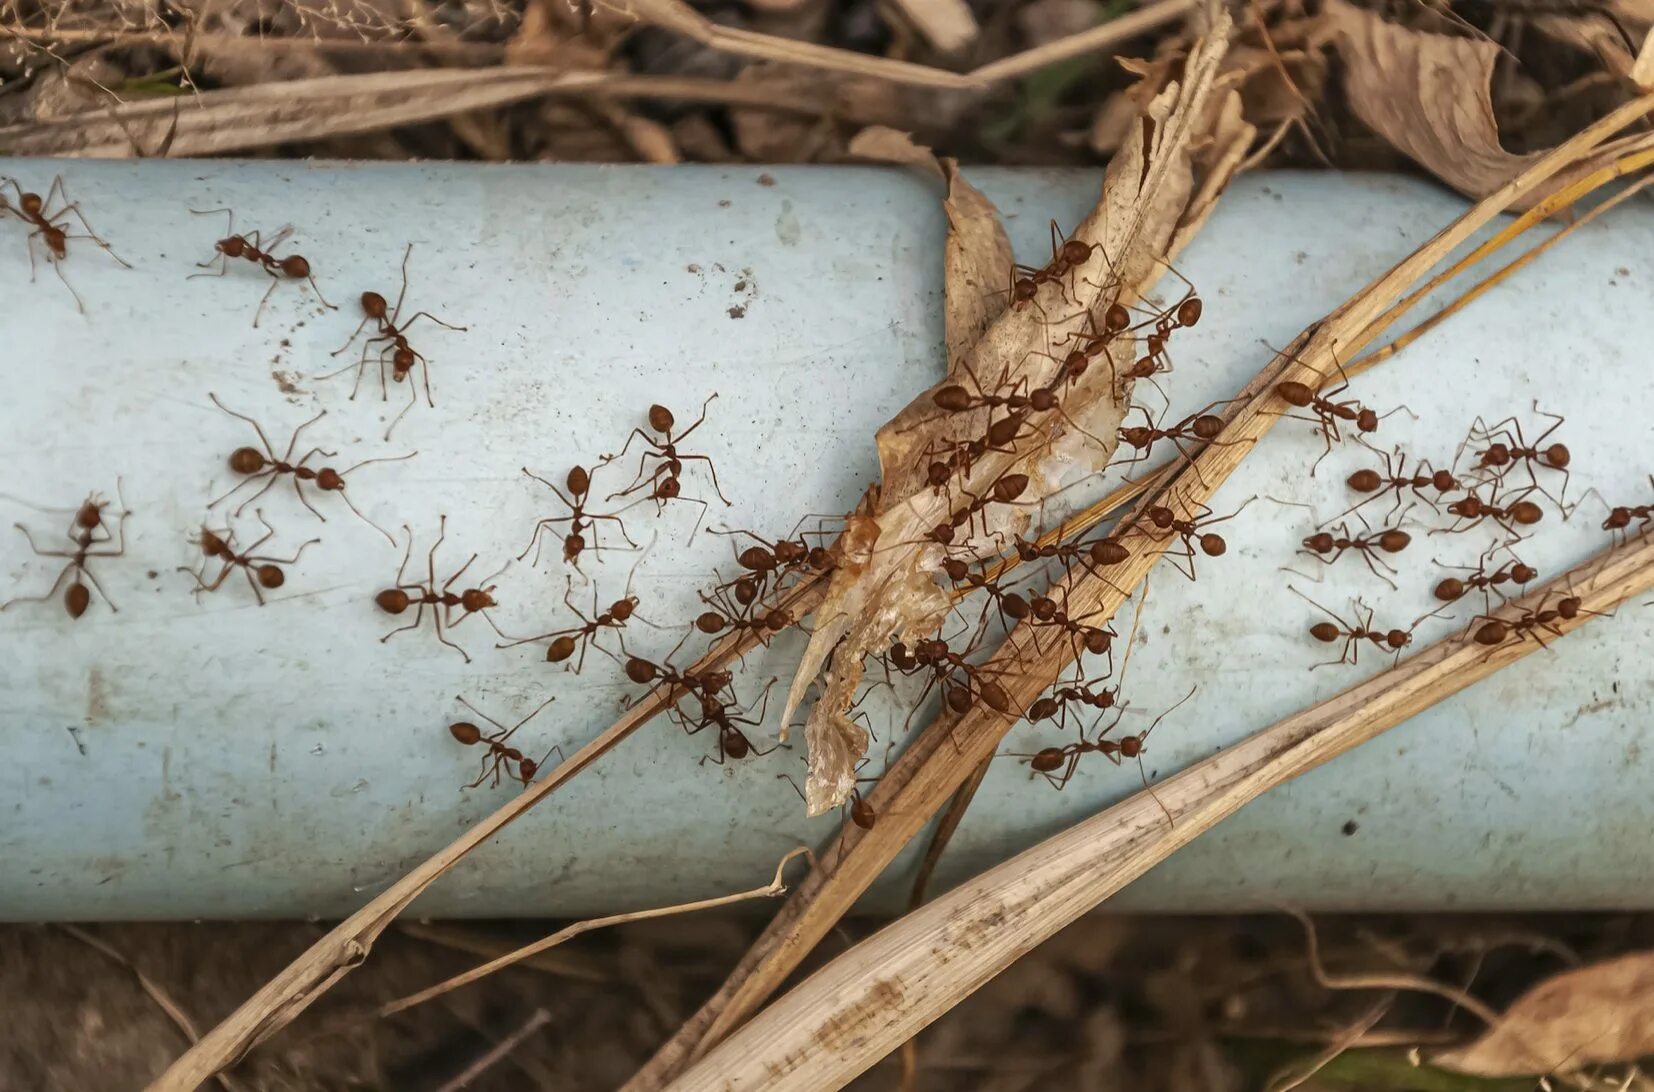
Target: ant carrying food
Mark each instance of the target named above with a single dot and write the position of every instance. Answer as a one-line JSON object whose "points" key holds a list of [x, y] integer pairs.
{"points": [[394, 333], [37, 212], [263, 573], [442, 601], [665, 481], [498, 757], [579, 483], [565, 642], [294, 267], [84, 532], [254, 464]]}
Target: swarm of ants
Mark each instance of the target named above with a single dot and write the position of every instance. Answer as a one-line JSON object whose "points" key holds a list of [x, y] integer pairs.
{"points": [[1500, 478]]}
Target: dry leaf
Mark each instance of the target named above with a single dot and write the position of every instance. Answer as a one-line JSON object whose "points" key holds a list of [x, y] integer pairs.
{"points": [[892, 592], [1595, 1014], [1427, 94], [1642, 73]]}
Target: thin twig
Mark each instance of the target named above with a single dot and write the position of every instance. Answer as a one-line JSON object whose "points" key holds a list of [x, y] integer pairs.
{"points": [[498, 1051]]}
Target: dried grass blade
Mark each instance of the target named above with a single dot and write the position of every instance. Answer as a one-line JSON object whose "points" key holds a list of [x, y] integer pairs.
{"points": [[848, 1015]]}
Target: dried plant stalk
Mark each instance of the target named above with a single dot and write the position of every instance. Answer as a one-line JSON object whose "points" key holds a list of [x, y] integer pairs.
{"points": [[943, 757], [857, 1009]]}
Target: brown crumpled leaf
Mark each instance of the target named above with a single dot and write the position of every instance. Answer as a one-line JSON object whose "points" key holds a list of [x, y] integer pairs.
{"points": [[889, 590], [1588, 1016], [976, 259], [1427, 94]]}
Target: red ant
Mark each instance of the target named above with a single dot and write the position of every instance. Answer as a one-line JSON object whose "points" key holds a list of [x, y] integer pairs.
{"points": [[1515, 572], [1396, 479], [294, 267], [1011, 605], [732, 742], [1523, 513], [263, 573], [1048, 760], [83, 532], [773, 560], [1045, 611], [565, 642], [1192, 531], [727, 617], [704, 685], [579, 482], [1502, 454], [1057, 704], [31, 209], [934, 655], [499, 757], [665, 481], [255, 464], [395, 600], [1201, 427], [1393, 640], [394, 332], [1621, 515], [1392, 541], [1005, 490], [1496, 631], [1328, 412]]}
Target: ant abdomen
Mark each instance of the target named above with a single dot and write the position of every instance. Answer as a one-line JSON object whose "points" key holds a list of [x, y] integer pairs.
{"points": [[392, 600]]}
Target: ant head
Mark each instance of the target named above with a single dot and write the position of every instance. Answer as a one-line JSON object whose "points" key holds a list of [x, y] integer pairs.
{"points": [[563, 647], [465, 732], [329, 479], [661, 419], [788, 552], [475, 599], [1394, 541], [668, 489], [641, 671], [1044, 709], [1295, 393], [994, 696], [941, 534], [1450, 589], [270, 577], [959, 700], [1161, 516], [1109, 552], [392, 600], [1320, 542], [1443, 481], [711, 622], [1116, 318], [1043, 607], [578, 480], [714, 681], [402, 362], [1398, 639], [1189, 311], [1365, 481], [1075, 364], [1075, 252], [1569, 607], [1212, 544], [1366, 420], [1522, 572], [746, 591], [1098, 641], [1497, 454], [621, 609], [1023, 290], [1325, 632], [952, 398], [231, 247], [572, 545], [526, 769], [90, 514], [1131, 747], [1526, 513], [1618, 518], [777, 620], [1207, 426], [820, 558], [76, 599], [957, 570], [30, 204], [295, 266], [1138, 436], [1557, 455], [1042, 400], [937, 474], [862, 813], [373, 305], [1046, 760], [212, 545], [1468, 506], [1492, 633]]}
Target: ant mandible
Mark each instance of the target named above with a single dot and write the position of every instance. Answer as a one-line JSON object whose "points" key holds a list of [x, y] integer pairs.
{"points": [[294, 267], [83, 533], [263, 573], [35, 211]]}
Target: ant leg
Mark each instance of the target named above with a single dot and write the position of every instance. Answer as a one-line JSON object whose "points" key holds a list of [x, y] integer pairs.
{"points": [[396, 312], [437, 618], [50, 592], [413, 400], [201, 586], [680, 437], [74, 207], [45, 553], [354, 334], [317, 289], [419, 617], [273, 478], [426, 314], [264, 299], [711, 470], [240, 485], [57, 267], [352, 506]]}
